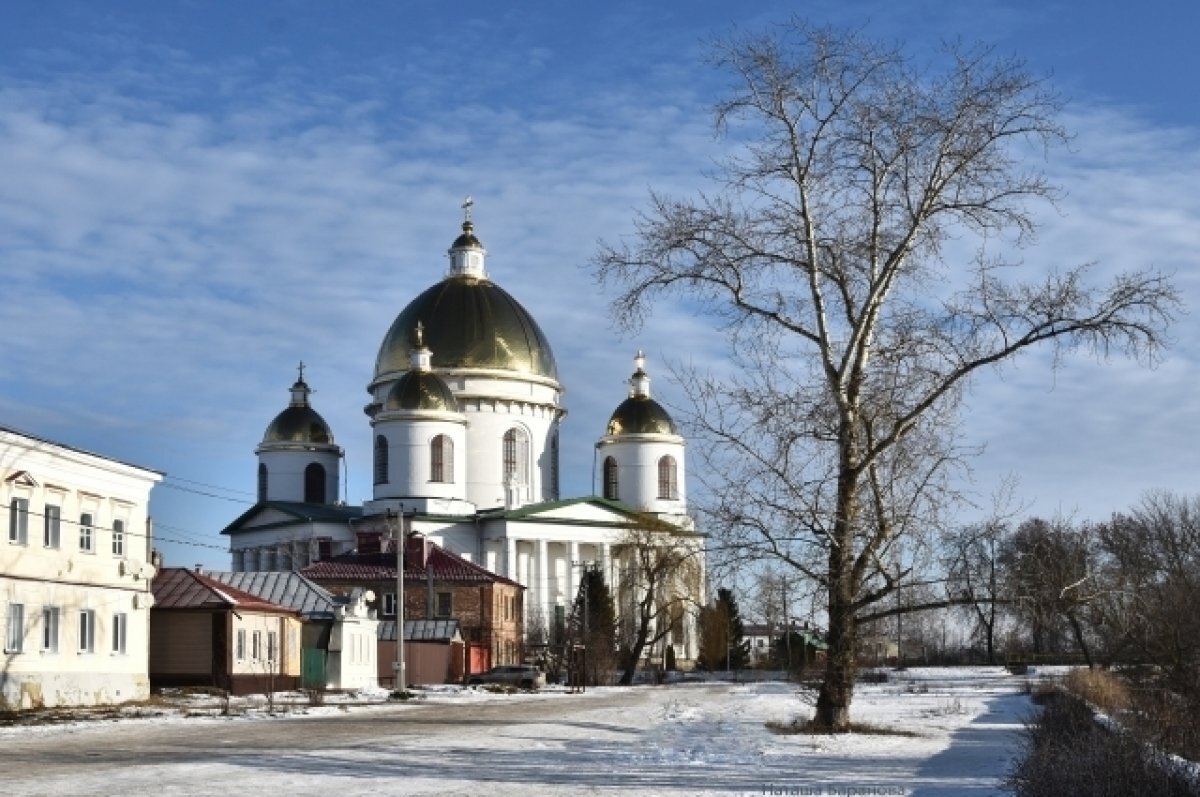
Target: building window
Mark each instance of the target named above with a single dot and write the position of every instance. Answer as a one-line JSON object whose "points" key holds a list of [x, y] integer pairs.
{"points": [[516, 456], [381, 459], [120, 623], [445, 604], [668, 479], [256, 645], [441, 459], [610, 479], [50, 629], [118, 538], [239, 646], [314, 484], [85, 532], [87, 631], [52, 526], [554, 465], [272, 646], [18, 521], [14, 636], [262, 482], [389, 604]]}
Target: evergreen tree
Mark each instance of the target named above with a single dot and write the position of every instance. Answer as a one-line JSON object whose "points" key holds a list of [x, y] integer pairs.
{"points": [[594, 625], [723, 645]]}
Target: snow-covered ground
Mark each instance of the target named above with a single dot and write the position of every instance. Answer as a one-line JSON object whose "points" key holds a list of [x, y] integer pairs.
{"points": [[956, 734]]}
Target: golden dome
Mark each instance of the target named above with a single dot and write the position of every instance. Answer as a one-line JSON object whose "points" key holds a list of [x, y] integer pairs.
{"points": [[298, 425], [640, 415], [420, 390], [468, 323]]}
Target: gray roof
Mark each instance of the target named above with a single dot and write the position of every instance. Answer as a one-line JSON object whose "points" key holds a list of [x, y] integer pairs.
{"points": [[420, 630], [286, 588]]}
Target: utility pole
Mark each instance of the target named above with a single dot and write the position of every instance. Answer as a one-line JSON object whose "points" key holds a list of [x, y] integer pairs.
{"points": [[401, 541]]}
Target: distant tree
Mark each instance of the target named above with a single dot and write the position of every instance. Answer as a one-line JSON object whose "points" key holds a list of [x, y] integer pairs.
{"points": [[1053, 578], [661, 573], [723, 644], [829, 251], [593, 624]]}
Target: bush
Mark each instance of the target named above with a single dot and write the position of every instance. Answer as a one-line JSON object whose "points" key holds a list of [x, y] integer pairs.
{"points": [[1065, 753], [1103, 689]]}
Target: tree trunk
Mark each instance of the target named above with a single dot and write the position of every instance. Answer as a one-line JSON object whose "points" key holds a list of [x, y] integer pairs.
{"points": [[841, 668], [1077, 631]]}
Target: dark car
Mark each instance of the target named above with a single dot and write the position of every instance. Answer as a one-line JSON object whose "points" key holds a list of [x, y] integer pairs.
{"points": [[526, 676]]}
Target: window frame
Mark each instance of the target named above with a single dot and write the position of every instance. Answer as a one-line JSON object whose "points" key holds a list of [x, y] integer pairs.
{"points": [[387, 608], [50, 628], [120, 633], [315, 486], [441, 459], [18, 520], [256, 646], [14, 628], [273, 647], [118, 538], [443, 606], [668, 478], [381, 463], [52, 527], [612, 482], [515, 456], [239, 645], [87, 631], [87, 532]]}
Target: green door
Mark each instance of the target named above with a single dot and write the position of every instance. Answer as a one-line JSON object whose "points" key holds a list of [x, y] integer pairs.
{"points": [[312, 668]]}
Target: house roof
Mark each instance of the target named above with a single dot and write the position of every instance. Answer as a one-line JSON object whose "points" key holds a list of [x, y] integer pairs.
{"points": [[76, 449], [441, 564], [297, 513], [420, 630], [180, 588], [289, 589]]}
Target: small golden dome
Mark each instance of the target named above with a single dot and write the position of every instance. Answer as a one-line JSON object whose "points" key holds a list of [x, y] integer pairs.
{"points": [[420, 390], [299, 424], [640, 415]]}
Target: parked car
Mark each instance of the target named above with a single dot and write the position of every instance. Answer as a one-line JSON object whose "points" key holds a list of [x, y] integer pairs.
{"points": [[525, 676]]}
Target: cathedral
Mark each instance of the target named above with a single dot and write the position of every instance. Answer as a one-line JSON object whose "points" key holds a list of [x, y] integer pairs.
{"points": [[465, 408]]}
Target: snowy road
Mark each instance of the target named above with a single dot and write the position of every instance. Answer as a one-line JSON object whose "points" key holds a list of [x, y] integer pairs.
{"points": [[679, 740]]}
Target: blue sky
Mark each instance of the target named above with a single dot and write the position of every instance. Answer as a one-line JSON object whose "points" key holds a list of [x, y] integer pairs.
{"points": [[196, 196]]}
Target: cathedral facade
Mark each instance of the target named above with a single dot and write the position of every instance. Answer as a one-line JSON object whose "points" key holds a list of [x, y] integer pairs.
{"points": [[464, 414]]}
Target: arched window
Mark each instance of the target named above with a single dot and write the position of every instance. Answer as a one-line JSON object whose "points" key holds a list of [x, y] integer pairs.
{"points": [[314, 484], [668, 479], [554, 465], [381, 459], [262, 482], [516, 456], [441, 459], [610, 479]]}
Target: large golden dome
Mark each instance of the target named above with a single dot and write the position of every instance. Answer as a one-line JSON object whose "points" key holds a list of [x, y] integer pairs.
{"points": [[468, 323]]}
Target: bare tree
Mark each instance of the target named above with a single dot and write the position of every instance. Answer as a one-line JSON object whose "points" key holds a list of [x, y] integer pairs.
{"points": [[824, 253], [660, 587]]}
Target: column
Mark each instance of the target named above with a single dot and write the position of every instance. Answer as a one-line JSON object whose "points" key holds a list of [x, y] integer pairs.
{"points": [[542, 589], [510, 558], [574, 570]]}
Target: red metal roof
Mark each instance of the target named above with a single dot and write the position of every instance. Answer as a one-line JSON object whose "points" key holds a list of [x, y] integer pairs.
{"points": [[442, 564], [180, 588]]}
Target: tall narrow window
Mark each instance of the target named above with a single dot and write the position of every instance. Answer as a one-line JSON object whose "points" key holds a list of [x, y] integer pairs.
{"points": [[610, 479], [18, 521], [445, 604], [272, 646], [52, 526], [14, 637], [50, 629], [262, 481], [441, 459], [389, 604], [87, 631], [118, 538], [119, 625], [239, 649], [668, 479], [256, 645], [381, 459], [314, 484], [86, 534], [516, 456], [554, 465]]}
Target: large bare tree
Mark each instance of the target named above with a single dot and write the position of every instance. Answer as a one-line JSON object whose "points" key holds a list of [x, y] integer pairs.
{"points": [[828, 250]]}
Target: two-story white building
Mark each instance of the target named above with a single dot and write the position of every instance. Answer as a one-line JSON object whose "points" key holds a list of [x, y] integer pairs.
{"points": [[74, 575]]}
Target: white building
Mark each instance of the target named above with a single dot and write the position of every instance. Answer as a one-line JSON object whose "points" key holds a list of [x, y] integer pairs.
{"points": [[465, 411], [74, 575]]}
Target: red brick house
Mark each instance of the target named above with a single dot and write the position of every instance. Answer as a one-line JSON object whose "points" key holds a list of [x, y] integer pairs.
{"points": [[438, 585]]}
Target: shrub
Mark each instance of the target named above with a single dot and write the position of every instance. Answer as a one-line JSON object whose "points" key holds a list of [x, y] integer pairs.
{"points": [[1101, 688]]}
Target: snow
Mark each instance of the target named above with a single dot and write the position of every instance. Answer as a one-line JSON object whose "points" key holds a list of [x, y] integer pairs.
{"points": [[948, 733]]}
